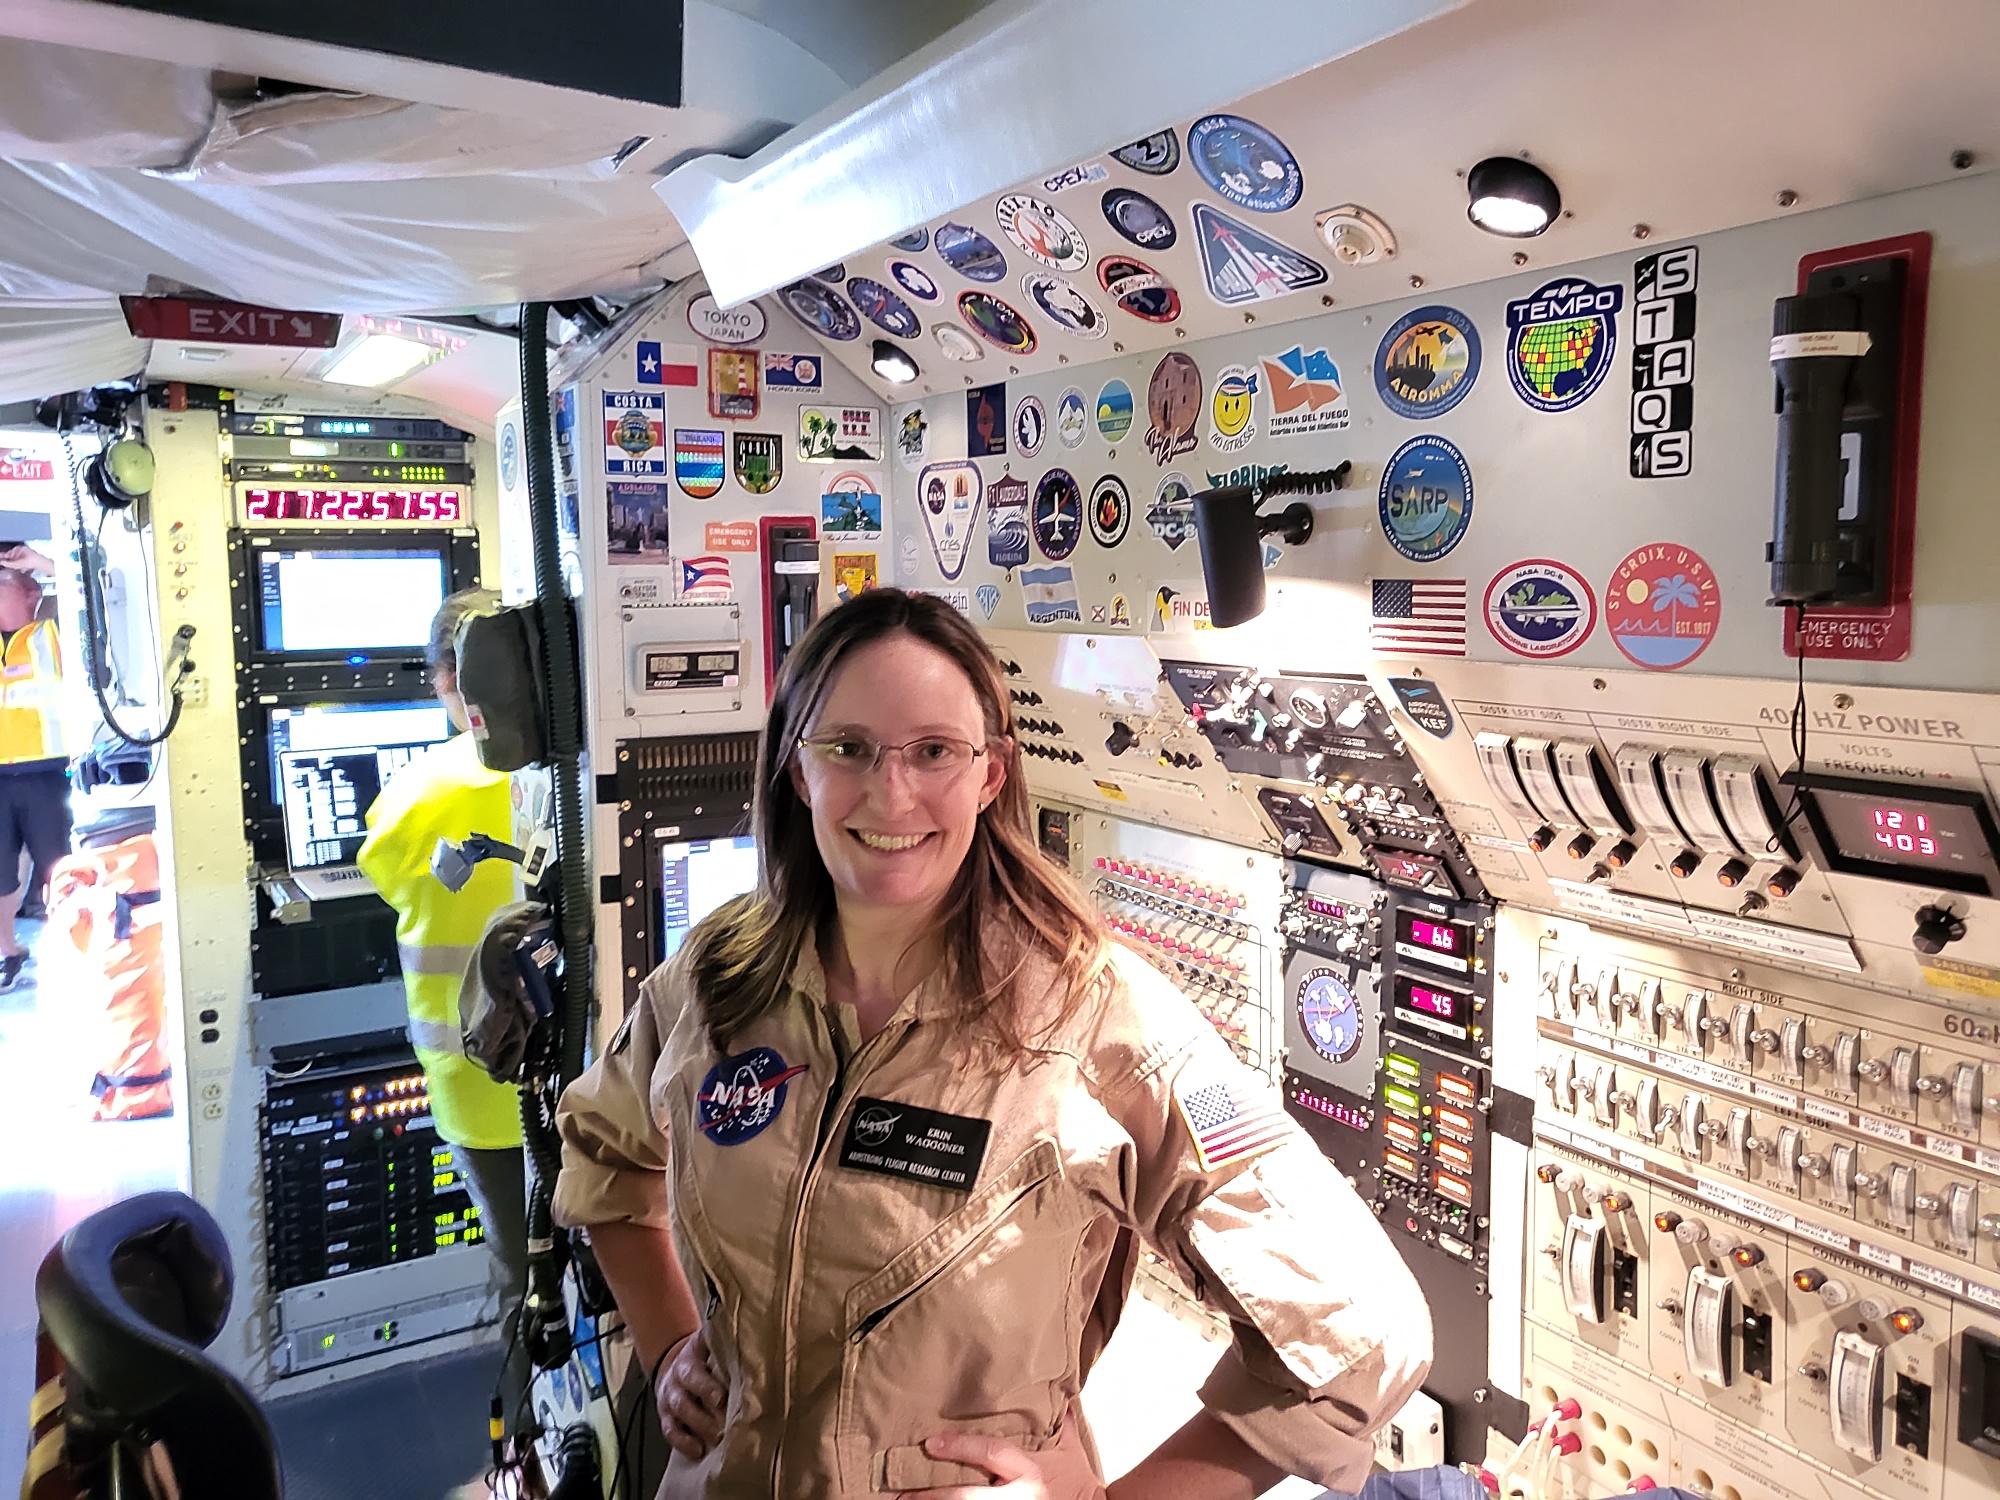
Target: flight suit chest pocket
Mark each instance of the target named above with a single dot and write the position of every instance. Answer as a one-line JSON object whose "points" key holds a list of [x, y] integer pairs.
{"points": [[967, 1329]]}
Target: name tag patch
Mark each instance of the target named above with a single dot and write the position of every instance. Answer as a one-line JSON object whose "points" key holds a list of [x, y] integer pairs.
{"points": [[924, 1145]]}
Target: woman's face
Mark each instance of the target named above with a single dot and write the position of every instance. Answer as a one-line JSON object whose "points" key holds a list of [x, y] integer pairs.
{"points": [[894, 837]]}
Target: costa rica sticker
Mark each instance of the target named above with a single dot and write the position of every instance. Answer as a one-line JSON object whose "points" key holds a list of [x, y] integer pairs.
{"points": [[1662, 606], [1427, 361], [1057, 514], [1110, 511], [1245, 163], [743, 1094], [1539, 608], [1426, 498], [1560, 341]]}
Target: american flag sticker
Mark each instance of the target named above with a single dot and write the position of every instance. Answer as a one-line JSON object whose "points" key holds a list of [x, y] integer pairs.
{"points": [[1417, 617], [1230, 1117]]}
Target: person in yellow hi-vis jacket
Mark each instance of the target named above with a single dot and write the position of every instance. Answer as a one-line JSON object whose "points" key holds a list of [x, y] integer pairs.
{"points": [[446, 793], [34, 769]]}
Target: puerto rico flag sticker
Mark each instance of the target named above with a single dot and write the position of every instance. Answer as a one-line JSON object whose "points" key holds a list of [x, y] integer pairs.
{"points": [[742, 1095]]}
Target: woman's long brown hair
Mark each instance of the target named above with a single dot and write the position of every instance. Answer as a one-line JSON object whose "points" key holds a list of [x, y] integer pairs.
{"points": [[1008, 906]]}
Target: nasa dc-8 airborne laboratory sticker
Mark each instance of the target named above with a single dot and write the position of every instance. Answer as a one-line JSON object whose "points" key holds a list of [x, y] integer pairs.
{"points": [[742, 1095], [1540, 609], [1560, 342]]}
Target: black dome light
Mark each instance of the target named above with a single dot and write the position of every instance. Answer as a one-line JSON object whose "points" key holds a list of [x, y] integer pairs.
{"points": [[1512, 197], [892, 363]]}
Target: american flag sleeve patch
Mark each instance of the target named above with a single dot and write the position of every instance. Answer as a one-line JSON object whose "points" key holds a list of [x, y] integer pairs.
{"points": [[1229, 1113]]}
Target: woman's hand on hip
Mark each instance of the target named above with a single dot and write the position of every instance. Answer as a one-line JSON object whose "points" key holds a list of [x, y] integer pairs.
{"points": [[691, 1398], [1015, 1475]]}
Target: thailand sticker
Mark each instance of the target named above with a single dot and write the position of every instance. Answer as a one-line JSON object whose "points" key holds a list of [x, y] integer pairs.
{"points": [[635, 522], [988, 595], [828, 434], [1241, 264], [1048, 595], [914, 241], [736, 325], [1072, 418], [1426, 498], [1427, 361], [1662, 606], [850, 509], [1171, 515], [1245, 163], [1114, 410], [1303, 392], [759, 461], [855, 573], [1030, 426], [1540, 608], [1156, 155], [986, 421], [1139, 289], [821, 309], [792, 372], [1041, 231], [948, 496], [1138, 218], [635, 436], [1057, 515], [742, 1095], [1233, 409], [913, 279], [1065, 304], [732, 384], [996, 322], [913, 439], [1076, 176], [956, 344], [1560, 342], [1424, 704], [698, 460], [969, 253], [883, 308], [1328, 1015], [1173, 403], [1007, 522], [1110, 511]]}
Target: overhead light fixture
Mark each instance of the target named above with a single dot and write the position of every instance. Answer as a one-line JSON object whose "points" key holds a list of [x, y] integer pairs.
{"points": [[379, 359], [892, 363], [1512, 197]]}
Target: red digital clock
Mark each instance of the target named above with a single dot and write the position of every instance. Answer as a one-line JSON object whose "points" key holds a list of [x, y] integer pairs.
{"points": [[1923, 835], [390, 507]]}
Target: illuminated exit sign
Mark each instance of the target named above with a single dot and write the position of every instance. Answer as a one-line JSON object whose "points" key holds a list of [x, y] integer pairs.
{"points": [[204, 320]]}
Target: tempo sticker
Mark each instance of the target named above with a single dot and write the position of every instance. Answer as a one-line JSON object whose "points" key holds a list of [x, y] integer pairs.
{"points": [[1663, 294]]}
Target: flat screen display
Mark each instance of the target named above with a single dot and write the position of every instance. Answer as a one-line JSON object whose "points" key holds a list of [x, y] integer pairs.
{"points": [[326, 795], [406, 722], [695, 877], [1926, 836], [322, 600], [1434, 940]]}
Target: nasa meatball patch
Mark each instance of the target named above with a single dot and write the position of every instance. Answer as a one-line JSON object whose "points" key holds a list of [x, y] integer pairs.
{"points": [[742, 1095]]}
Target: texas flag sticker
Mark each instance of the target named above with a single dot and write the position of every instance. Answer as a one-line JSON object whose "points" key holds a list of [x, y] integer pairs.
{"points": [[655, 369]]}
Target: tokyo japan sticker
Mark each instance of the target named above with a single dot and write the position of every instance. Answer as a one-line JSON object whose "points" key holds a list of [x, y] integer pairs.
{"points": [[1540, 608], [1426, 498], [1427, 362], [1560, 342], [1662, 605]]}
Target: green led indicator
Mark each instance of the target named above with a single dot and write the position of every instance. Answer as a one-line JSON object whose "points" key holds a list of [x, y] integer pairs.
{"points": [[1400, 1098], [395, 450], [1403, 1067], [327, 1342]]}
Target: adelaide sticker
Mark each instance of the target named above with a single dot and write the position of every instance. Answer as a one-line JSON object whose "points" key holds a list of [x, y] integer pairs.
{"points": [[1139, 289], [1245, 163], [1173, 403], [1233, 409], [1041, 231], [1560, 342], [1662, 606], [1540, 608], [743, 1094], [913, 279], [996, 322], [1427, 362], [1110, 511], [821, 309], [1057, 515], [1426, 498], [736, 325]]}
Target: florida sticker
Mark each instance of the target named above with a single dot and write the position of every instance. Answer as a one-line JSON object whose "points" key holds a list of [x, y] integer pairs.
{"points": [[1662, 606], [1426, 498], [1560, 342], [1540, 608]]}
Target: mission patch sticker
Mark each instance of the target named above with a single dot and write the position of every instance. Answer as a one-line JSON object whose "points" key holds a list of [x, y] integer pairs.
{"points": [[1427, 362], [1245, 163], [1540, 609], [1426, 498], [1110, 511], [1560, 342], [1242, 264]]}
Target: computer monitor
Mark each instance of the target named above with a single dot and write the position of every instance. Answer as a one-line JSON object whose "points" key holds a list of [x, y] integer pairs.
{"points": [[325, 796], [695, 877], [351, 726], [331, 600]]}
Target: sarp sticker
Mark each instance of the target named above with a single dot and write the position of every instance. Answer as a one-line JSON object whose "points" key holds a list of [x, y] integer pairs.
{"points": [[635, 434]]}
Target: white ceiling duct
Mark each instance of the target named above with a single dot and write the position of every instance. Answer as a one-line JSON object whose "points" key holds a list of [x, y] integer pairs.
{"points": [[1019, 90], [48, 348]]}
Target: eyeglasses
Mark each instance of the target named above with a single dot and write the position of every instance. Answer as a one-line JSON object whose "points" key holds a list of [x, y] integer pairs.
{"points": [[935, 755]]}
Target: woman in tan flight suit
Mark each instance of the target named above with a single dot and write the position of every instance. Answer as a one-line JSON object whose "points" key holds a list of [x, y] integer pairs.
{"points": [[869, 1165]]}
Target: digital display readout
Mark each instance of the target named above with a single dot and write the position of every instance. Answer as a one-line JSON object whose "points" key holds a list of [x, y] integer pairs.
{"points": [[1444, 943], [383, 507], [1437, 1002], [1319, 906], [1432, 1008], [1938, 836]]}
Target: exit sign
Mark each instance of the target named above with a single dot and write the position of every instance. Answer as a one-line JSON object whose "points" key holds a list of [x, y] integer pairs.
{"points": [[211, 321]]}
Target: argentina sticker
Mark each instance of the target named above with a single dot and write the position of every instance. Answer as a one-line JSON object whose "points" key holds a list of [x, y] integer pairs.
{"points": [[884, 308], [969, 252], [1156, 155], [821, 309], [1427, 361], [1560, 342], [1540, 609], [1065, 304], [742, 1095], [1245, 163], [1426, 498]]}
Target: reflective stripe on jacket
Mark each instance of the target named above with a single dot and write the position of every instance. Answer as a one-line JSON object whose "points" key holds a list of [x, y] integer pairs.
{"points": [[444, 793], [31, 695], [856, 1313]]}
